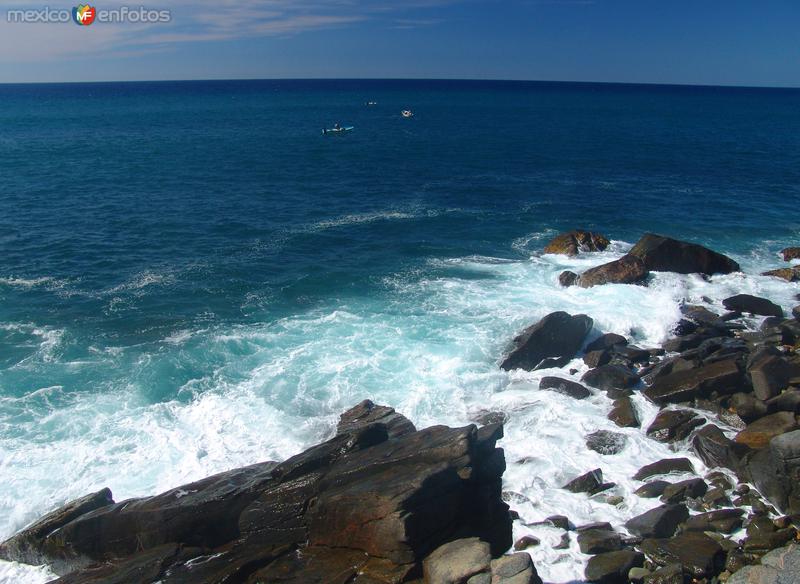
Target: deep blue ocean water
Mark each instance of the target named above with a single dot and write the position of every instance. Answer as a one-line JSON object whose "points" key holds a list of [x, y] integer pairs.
{"points": [[193, 277]]}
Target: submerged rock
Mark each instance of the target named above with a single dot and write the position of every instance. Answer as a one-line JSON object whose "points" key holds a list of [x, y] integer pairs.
{"points": [[664, 254], [375, 499], [606, 442], [558, 336], [577, 241], [753, 305]]}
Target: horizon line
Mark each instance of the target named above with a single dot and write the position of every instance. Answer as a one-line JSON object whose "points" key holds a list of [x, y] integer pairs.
{"points": [[467, 79]]}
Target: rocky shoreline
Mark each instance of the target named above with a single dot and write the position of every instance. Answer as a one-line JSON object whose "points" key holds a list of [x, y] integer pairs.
{"points": [[383, 502]]}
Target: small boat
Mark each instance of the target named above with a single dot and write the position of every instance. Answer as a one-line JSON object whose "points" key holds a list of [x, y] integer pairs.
{"points": [[372, 103], [407, 113], [338, 130]]}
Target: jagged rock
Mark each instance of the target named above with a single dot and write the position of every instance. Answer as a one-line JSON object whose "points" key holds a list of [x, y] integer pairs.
{"points": [[664, 254], [590, 482], [775, 471], [577, 241], [769, 376], [598, 358], [753, 305], [660, 522], [664, 467], [717, 450], [606, 442], [672, 425], [789, 274], [557, 336], [565, 386], [678, 492], [373, 500], [567, 278], [652, 489], [455, 562], [608, 377], [716, 497], [598, 541], [699, 555], [623, 414], [722, 377], [721, 520], [759, 433], [606, 341], [487, 418], [790, 253], [626, 270], [613, 567]]}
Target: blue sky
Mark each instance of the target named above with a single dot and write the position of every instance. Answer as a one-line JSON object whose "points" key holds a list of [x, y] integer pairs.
{"points": [[732, 42]]}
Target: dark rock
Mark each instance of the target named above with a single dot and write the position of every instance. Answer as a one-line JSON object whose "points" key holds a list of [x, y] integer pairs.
{"points": [[632, 353], [663, 467], [700, 314], [623, 414], [487, 418], [598, 541], [559, 521], [769, 376], [788, 401], [606, 442], [775, 472], [590, 482], [716, 497], [652, 489], [594, 525], [525, 542], [684, 327], [717, 450], [763, 542], [557, 335], [608, 377], [672, 425], [565, 386], [626, 270], [790, 253], [789, 274], [722, 521], [678, 492], [796, 312], [563, 544], [662, 521], [759, 433], [567, 278], [748, 407], [663, 254], [577, 241], [671, 574], [598, 358], [606, 341], [720, 480], [613, 567], [699, 555], [722, 377], [781, 566], [374, 499], [753, 305]]}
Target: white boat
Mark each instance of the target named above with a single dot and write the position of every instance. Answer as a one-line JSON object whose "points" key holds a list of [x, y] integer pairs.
{"points": [[407, 113]]}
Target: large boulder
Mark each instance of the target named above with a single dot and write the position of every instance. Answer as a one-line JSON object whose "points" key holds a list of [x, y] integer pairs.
{"points": [[613, 567], [607, 377], [721, 377], [699, 555], [577, 241], [753, 305], [770, 375], [565, 387], [672, 425], [552, 341], [775, 471], [759, 433], [780, 566], [626, 270], [457, 561], [660, 522], [790, 253], [664, 254], [375, 499], [789, 274], [717, 450]]}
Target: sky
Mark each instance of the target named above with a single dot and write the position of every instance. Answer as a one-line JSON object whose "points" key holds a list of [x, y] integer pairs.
{"points": [[714, 42]]}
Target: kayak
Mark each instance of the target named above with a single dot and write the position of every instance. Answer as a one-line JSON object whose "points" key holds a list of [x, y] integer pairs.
{"points": [[338, 130]]}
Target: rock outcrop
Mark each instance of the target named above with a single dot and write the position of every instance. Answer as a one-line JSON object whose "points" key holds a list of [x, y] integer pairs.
{"points": [[626, 270], [577, 241], [368, 505], [664, 254], [551, 342]]}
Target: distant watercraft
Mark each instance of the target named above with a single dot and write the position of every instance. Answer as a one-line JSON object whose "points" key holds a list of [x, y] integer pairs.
{"points": [[372, 103], [407, 113], [338, 130]]}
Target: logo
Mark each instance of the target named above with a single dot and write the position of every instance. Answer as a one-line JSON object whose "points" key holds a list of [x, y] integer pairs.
{"points": [[84, 15]]}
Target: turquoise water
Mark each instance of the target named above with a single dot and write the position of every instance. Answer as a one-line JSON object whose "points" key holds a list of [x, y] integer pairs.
{"points": [[193, 278]]}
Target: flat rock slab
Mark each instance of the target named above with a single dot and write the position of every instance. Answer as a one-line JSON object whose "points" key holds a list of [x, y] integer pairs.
{"points": [[565, 386], [660, 522], [724, 377]]}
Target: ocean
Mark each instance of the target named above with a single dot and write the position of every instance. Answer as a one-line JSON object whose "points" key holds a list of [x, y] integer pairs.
{"points": [[194, 278]]}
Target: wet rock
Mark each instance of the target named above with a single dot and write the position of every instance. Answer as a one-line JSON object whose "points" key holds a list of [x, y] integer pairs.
{"points": [[606, 442], [748, 407], [775, 472], [514, 569], [559, 521], [626, 270], [700, 314], [722, 377], [769, 376], [598, 541], [563, 544], [457, 561], [623, 413], [525, 542], [717, 450], [753, 305], [606, 341], [781, 566], [721, 520], [590, 482], [663, 467], [699, 555], [759, 433], [788, 401], [790, 253], [671, 574], [613, 567], [608, 377], [598, 358], [672, 425], [660, 522], [487, 418], [716, 497], [796, 312], [577, 241], [557, 336], [632, 353], [762, 543], [652, 489], [567, 278], [788, 274], [367, 413], [565, 386], [691, 488], [664, 254]]}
